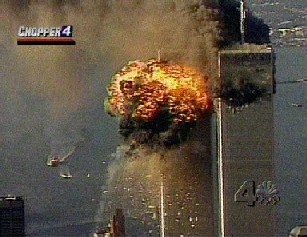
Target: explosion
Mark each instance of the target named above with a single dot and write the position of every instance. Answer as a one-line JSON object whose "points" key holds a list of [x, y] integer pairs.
{"points": [[155, 97]]}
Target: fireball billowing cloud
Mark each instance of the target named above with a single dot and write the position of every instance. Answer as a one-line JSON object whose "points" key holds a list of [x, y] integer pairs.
{"points": [[158, 99]]}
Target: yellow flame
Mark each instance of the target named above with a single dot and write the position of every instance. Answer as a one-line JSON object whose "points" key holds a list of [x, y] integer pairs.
{"points": [[142, 89]]}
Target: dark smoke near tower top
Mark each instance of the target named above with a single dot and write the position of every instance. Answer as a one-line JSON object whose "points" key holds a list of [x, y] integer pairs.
{"points": [[256, 31]]}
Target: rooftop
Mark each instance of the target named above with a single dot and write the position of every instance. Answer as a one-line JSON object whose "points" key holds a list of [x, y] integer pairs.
{"points": [[248, 48]]}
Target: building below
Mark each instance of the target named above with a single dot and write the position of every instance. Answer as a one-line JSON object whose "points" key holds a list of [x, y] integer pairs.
{"points": [[116, 228], [12, 223], [118, 224]]}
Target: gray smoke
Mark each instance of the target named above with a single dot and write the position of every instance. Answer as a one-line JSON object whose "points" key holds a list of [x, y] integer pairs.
{"points": [[186, 32], [43, 86], [49, 86]]}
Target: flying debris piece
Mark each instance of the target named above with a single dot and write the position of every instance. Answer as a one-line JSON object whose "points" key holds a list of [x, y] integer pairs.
{"points": [[157, 101]]}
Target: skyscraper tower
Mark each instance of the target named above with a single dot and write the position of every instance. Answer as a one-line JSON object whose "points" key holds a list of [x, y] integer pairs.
{"points": [[118, 224], [247, 193], [12, 222]]}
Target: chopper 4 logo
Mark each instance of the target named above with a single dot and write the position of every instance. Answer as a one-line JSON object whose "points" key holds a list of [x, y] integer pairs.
{"points": [[28, 35], [64, 31]]}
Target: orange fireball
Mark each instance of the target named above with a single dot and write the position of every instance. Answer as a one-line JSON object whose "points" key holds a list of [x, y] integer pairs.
{"points": [[145, 90]]}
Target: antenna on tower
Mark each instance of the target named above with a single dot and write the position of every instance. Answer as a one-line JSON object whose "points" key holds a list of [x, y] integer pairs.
{"points": [[242, 20], [162, 211], [159, 55]]}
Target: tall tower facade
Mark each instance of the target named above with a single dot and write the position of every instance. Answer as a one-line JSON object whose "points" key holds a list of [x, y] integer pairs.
{"points": [[247, 194], [12, 222]]}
